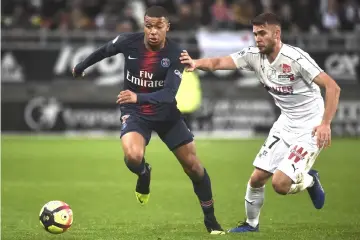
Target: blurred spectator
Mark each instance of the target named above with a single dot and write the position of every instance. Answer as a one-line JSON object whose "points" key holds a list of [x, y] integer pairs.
{"points": [[267, 5], [285, 11], [349, 14], [186, 20], [330, 18], [169, 5], [138, 9], [20, 17], [125, 26], [16, 14], [243, 13], [220, 14], [51, 13], [127, 15], [79, 20], [127, 19], [92, 8], [305, 15], [202, 11]]}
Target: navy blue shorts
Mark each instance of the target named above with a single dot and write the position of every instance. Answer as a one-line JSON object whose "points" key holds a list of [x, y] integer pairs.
{"points": [[173, 133]]}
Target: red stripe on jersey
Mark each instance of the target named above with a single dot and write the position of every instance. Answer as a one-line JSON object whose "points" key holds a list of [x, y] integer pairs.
{"points": [[149, 60], [148, 64]]}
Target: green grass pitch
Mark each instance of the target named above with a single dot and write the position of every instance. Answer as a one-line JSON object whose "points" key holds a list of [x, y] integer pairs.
{"points": [[90, 175]]}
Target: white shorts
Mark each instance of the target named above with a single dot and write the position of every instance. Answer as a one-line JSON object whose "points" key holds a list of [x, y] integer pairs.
{"points": [[293, 153]]}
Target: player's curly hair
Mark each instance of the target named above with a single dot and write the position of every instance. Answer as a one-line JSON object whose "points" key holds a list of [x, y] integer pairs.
{"points": [[157, 11]]}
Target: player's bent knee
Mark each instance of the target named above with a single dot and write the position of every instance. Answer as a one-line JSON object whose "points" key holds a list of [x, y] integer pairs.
{"points": [[256, 182], [259, 178], [134, 155], [281, 183]]}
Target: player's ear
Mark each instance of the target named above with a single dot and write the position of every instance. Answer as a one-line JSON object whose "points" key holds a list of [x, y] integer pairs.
{"points": [[168, 27], [277, 32]]}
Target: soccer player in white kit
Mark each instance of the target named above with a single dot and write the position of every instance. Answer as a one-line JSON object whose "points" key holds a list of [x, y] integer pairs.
{"points": [[293, 78]]}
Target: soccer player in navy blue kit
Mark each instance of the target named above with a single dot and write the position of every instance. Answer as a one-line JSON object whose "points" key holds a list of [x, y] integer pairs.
{"points": [[153, 74]]}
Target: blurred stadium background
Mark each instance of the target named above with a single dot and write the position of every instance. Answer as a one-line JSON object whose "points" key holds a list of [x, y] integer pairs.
{"points": [[42, 104]]}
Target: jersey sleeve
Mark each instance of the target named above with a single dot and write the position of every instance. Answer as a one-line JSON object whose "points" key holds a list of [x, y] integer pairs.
{"points": [[107, 50], [171, 86], [308, 68], [244, 59]]}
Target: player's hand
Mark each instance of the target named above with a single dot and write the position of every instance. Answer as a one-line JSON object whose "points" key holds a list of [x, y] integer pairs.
{"points": [[323, 134], [126, 96], [187, 60], [76, 75]]}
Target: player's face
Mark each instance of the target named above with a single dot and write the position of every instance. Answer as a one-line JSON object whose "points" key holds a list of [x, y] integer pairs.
{"points": [[155, 29], [265, 37]]}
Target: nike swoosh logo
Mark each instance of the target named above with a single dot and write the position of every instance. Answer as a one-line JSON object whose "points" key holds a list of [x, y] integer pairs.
{"points": [[131, 57], [251, 203]]}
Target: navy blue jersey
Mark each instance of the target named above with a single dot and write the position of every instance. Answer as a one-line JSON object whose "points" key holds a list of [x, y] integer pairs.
{"points": [[154, 76]]}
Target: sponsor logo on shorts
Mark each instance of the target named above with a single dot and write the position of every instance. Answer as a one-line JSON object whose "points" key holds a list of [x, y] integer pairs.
{"points": [[297, 154], [123, 121], [124, 118]]}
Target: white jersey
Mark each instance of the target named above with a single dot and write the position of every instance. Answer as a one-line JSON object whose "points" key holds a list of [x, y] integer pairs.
{"points": [[289, 79]]}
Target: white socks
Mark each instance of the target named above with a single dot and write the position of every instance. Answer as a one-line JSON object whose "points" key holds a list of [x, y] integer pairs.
{"points": [[306, 181], [254, 200]]}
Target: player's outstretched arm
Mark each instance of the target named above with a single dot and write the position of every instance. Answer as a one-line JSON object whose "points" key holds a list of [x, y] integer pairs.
{"points": [[110, 49], [332, 91], [207, 64]]}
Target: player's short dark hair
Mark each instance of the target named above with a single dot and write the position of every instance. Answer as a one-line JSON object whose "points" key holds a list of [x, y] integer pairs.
{"points": [[157, 11], [266, 18]]}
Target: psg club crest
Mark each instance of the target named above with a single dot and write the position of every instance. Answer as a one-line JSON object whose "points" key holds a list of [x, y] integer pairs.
{"points": [[165, 62]]}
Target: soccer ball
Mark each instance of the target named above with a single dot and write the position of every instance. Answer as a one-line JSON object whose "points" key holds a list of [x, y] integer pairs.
{"points": [[56, 217]]}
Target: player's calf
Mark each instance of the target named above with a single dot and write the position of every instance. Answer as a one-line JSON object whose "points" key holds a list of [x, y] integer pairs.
{"points": [[195, 170], [192, 166]]}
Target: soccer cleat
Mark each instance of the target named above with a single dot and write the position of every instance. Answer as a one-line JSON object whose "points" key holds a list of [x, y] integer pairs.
{"points": [[244, 227], [316, 191], [142, 191], [212, 226]]}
